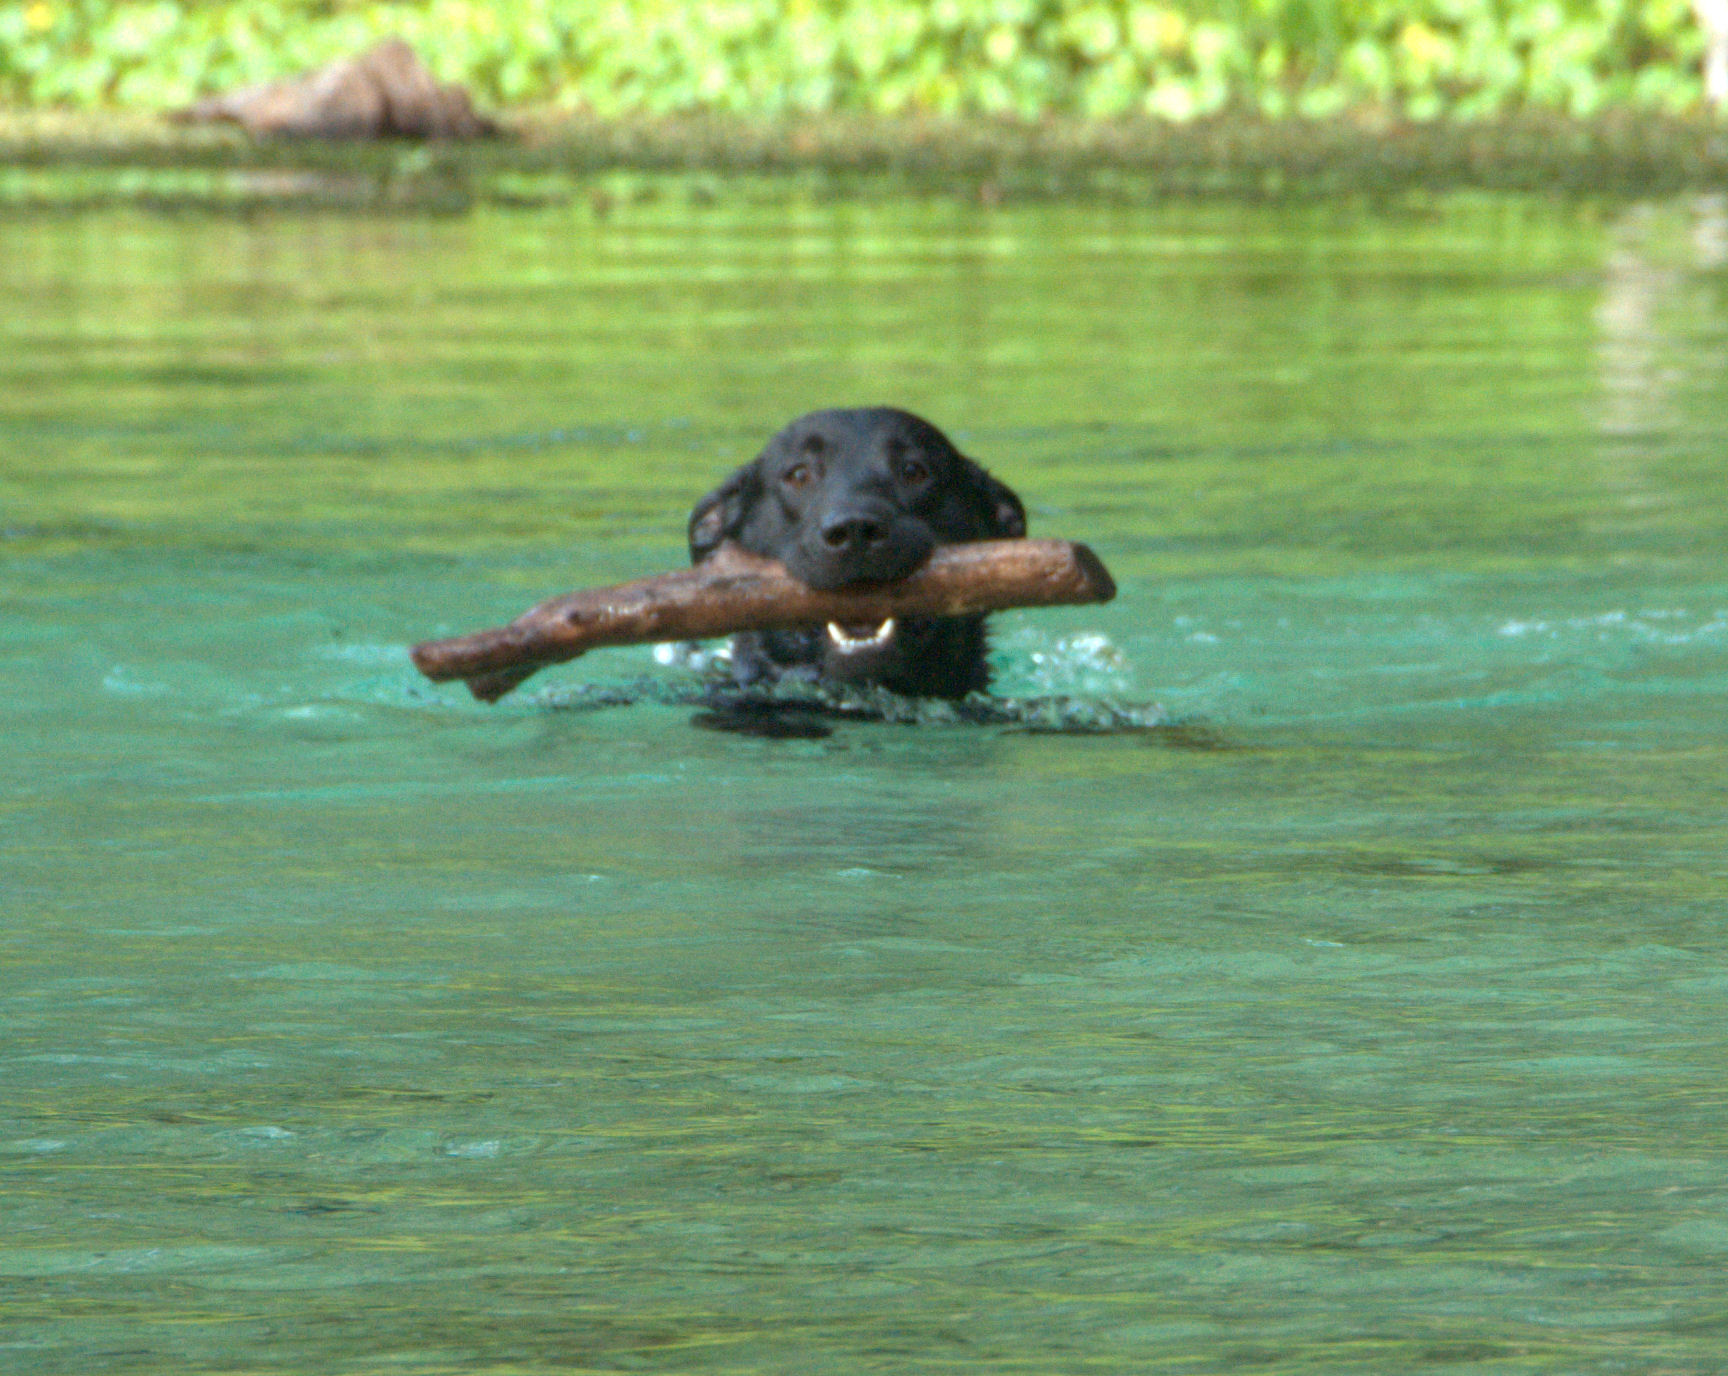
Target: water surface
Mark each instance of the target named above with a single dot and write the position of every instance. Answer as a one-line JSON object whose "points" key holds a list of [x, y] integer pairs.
{"points": [[1374, 1021]]}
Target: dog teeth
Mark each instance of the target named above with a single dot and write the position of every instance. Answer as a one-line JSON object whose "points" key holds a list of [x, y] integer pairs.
{"points": [[849, 644]]}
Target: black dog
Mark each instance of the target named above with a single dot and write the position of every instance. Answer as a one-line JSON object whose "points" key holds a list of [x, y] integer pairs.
{"points": [[860, 496]]}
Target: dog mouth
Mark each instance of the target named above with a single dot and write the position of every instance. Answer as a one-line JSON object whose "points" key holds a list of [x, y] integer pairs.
{"points": [[855, 639]]}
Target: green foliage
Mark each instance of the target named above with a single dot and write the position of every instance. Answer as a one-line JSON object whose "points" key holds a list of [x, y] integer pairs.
{"points": [[1021, 58]]}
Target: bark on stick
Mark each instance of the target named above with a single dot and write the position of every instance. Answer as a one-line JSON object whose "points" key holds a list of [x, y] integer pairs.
{"points": [[734, 590]]}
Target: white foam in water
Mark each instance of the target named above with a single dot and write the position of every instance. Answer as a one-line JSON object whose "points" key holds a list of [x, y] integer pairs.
{"points": [[697, 656], [1606, 626], [1072, 684], [1189, 626], [119, 680], [320, 712], [1079, 714], [474, 1150], [1086, 662], [361, 652]]}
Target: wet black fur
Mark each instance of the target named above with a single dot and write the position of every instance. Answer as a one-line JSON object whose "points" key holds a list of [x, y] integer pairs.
{"points": [[857, 496]]}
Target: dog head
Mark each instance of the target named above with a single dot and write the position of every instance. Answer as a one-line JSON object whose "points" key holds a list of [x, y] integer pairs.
{"points": [[855, 496]]}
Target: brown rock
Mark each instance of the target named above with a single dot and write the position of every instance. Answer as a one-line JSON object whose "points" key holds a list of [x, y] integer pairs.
{"points": [[385, 92]]}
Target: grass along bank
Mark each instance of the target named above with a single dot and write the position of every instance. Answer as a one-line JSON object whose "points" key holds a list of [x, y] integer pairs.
{"points": [[75, 158]]}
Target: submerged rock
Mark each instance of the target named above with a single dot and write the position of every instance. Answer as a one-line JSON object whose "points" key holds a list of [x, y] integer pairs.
{"points": [[385, 92]]}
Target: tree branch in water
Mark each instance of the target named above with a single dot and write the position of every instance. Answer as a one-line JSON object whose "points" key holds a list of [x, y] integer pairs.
{"points": [[734, 590]]}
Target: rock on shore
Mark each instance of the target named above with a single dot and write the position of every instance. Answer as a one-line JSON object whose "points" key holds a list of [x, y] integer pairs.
{"points": [[384, 92]]}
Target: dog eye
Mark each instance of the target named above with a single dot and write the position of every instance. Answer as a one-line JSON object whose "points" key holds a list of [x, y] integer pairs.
{"points": [[913, 471], [798, 475]]}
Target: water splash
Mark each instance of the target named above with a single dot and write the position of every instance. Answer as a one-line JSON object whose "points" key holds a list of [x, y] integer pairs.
{"points": [[1066, 714], [1069, 686], [1086, 664], [1662, 626]]}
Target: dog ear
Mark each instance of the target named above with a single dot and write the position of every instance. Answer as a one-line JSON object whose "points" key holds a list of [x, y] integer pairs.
{"points": [[1001, 515], [719, 515]]}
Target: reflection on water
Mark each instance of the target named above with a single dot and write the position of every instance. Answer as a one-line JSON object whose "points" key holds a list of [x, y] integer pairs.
{"points": [[1664, 262], [1637, 374], [351, 1025]]}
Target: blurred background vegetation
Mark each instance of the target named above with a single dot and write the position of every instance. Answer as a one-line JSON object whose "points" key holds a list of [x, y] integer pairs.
{"points": [[1019, 59]]}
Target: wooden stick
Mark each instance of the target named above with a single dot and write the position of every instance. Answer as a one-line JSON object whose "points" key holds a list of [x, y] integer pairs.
{"points": [[734, 590]]}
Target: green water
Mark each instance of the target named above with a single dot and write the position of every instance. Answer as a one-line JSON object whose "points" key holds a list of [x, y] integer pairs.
{"points": [[1377, 1023]]}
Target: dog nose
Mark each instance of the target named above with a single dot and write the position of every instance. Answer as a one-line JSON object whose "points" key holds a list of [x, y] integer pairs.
{"points": [[854, 532]]}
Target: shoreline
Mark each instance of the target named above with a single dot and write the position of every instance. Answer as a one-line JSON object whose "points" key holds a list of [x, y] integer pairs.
{"points": [[549, 155]]}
